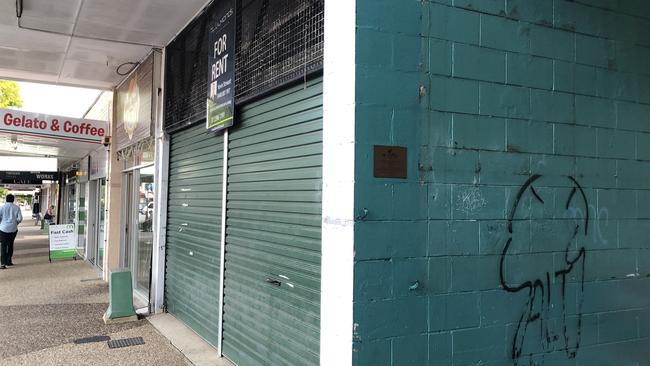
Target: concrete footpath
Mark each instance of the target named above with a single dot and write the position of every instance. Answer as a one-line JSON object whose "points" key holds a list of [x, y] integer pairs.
{"points": [[45, 307]]}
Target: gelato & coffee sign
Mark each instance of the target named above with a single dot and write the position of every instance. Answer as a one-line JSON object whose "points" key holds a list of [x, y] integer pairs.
{"points": [[56, 127]]}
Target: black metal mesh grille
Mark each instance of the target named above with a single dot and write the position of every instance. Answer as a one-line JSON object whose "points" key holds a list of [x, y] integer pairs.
{"points": [[278, 41]]}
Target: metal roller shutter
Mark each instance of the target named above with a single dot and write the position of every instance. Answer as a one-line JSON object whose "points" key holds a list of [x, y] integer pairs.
{"points": [[194, 230], [273, 231]]}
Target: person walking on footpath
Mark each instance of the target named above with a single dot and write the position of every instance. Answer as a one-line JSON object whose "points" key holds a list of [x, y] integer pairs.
{"points": [[36, 213], [10, 217]]}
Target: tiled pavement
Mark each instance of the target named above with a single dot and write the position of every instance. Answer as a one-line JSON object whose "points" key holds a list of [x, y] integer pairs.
{"points": [[45, 306]]}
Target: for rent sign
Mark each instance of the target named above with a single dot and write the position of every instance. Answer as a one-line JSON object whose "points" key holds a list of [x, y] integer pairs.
{"points": [[221, 68], [64, 128]]}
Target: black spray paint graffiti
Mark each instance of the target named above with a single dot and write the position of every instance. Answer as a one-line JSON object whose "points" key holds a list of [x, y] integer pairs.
{"points": [[546, 291]]}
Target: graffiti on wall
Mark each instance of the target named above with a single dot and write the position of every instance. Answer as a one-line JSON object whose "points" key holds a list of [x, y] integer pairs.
{"points": [[548, 321]]}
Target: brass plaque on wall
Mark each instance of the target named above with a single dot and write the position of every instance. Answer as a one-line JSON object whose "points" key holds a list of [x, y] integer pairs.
{"points": [[389, 161]]}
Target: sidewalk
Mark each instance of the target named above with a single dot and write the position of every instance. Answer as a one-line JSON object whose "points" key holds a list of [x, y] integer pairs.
{"points": [[45, 306]]}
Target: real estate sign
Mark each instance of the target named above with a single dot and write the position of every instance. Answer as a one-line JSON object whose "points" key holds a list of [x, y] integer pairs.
{"points": [[63, 241], [221, 68]]}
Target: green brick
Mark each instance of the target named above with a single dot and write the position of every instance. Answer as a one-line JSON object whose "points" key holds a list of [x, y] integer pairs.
{"points": [[529, 136], [552, 43], [408, 273], [439, 275], [369, 42], [396, 239], [620, 204], [453, 24], [440, 352], [439, 57], [644, 89], [593, 51], [552, 106], [576, 140], [633, 174], [586, 80], [500, 307], [617, 326], [480, 345], [375, 352], [454, 95], [474, 202], [616, 144], [643, 146], [505, 34], [372, 85], [570, 77], [387, 318], [373, 280], [520, 268], [453, 166], [404, 47], [439, 196], [505, 101], [437, 132], [390, 16], [462, 311], [410, 350], [504, 168], [633, 116], [478, 63], [477, 132], [643, 200], [596, 173], [592, 111], [615, 85], [533, 11], [474, 273], [462, 238], [554, 169], [496, 7], [577, 17], [525, 70]]}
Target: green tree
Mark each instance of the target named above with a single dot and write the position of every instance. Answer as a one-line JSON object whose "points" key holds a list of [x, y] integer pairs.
{"points": [[9, 94]]}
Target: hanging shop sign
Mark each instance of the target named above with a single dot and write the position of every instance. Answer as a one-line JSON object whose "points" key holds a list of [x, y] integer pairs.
{"points": [[7, 177], [55, 127], [63, 241], [221, 68], [134, 102], [98, 164]]}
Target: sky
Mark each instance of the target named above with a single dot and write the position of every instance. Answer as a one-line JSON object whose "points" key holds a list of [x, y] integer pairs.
{"points": [[56, 100]]}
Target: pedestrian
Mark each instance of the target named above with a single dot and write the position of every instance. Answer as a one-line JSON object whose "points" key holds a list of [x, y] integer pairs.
{"points": [[49, 216], [36, 213], [10, 217]]}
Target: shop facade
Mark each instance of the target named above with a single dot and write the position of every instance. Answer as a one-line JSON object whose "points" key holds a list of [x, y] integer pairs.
{"points": [[240, 239], [135, 146]]}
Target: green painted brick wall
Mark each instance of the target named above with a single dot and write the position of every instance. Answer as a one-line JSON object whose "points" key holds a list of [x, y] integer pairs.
{"points": [[522, 233]]}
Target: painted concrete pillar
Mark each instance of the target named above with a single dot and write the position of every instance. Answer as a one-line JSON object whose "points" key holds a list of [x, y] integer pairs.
{"points": [[113, 205]]}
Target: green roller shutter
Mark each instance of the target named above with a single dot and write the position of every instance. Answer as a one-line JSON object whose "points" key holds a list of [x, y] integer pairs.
{"points": [[273, 231], [194, 230]]}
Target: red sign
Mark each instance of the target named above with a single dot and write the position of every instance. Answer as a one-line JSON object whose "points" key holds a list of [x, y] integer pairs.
{"points": [[65, 128]]}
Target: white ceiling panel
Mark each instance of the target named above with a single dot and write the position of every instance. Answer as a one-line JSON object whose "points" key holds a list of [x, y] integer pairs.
{"points": [[105, 34], [152, 22], [56, 16]]}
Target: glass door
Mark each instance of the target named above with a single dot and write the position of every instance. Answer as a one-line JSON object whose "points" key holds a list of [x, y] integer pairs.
{"points": [[101, 220], [142, 249]]}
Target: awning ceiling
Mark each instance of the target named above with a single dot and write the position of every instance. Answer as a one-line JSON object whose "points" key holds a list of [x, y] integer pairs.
{"points": [[80, 43]]}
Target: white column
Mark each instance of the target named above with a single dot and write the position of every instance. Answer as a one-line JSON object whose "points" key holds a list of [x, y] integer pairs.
{"points": [[338, 184], [161, 166]]}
